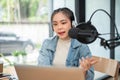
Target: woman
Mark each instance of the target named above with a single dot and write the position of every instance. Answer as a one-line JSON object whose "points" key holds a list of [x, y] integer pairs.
{"points": [[61, 50]]}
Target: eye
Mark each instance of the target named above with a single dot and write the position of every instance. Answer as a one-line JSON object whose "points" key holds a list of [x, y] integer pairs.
{"points": [[54, 24], [64, 23]]}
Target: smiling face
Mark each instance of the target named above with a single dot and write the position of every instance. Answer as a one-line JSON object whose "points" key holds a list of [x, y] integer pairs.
{"points": [[61, 25]]}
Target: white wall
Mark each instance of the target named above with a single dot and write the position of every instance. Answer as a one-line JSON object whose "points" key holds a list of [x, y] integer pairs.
{"points": [[101, 21], [117, 50]]}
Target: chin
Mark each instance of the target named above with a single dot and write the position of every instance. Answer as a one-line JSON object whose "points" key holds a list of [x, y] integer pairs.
{"points": [[61, 37]]}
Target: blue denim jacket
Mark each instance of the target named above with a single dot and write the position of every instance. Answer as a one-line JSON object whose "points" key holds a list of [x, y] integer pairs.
{"points": [[77, 50]]}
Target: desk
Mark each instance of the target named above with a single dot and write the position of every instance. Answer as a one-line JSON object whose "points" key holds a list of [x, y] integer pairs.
{"points": [[10, 70], [4, 78]]}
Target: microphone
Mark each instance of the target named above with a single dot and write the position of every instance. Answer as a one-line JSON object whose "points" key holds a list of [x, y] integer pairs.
{"points": [[84, 32], [76, 32]]}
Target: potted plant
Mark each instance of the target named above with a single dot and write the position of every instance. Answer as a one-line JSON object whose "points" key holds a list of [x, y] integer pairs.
{"points": [[16, 56], [23, 54], [20, 55]]}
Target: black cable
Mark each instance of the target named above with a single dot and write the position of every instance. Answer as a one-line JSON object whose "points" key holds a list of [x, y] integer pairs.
{"points": [[118, 36]]}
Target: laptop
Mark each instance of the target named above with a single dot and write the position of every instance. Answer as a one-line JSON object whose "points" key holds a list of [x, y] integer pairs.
{"points": [[32, 72]]}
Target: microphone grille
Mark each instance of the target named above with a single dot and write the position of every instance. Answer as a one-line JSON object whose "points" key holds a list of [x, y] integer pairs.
{"points": [[73, 32]]}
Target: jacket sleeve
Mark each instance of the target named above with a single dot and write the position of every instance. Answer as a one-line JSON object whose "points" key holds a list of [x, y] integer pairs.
{"points": [[43, 58], [90, 74]]}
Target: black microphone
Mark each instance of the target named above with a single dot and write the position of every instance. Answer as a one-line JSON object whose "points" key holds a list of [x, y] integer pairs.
{"points": [[76, 32], [84, 32]]}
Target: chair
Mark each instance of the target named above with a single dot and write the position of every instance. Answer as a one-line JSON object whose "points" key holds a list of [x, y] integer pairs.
{"points": [[107, 66]]}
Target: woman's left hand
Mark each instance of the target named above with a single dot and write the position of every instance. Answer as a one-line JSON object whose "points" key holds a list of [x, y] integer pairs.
{"points": [[86, 63]]}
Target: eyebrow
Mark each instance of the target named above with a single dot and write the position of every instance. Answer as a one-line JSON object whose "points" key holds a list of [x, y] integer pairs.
{"points": [[63, 20], [60, 20]]}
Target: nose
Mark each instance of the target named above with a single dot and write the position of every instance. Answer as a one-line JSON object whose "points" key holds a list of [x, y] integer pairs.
{"points": [[59, 26]]}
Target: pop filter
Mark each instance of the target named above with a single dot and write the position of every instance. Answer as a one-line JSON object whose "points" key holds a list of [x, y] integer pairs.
{"points": [[84, 32], [90, 30]]}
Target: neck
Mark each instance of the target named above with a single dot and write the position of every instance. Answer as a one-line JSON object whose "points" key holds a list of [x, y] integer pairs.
{"points": [[65, 39]]}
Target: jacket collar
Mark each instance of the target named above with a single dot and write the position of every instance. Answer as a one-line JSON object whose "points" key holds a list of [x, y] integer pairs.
{"points": [[75, 43], [53, 43]]}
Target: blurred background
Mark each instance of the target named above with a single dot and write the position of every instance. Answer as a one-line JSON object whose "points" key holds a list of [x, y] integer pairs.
{"points": [[28, 21], [24, 24]]}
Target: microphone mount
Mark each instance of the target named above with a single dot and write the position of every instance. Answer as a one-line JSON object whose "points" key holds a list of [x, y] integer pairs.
{"points": [[111, 43]]}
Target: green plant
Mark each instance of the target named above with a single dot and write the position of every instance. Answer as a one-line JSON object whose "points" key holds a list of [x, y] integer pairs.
{"points": [[7, 60], [23, 53], [16, 53]]}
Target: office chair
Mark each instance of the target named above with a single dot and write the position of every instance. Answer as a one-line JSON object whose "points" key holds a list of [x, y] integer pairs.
{"points": [[107, 66]]}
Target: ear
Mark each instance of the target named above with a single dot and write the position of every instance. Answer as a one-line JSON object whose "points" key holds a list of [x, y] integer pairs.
{"points": [[73, 24]]}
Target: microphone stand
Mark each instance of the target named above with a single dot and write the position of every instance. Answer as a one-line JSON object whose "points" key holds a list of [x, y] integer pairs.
{"points": [[111, 43], [89, 34]]}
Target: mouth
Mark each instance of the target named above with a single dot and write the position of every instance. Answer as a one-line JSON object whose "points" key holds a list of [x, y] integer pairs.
{"points": [[61, 33]]}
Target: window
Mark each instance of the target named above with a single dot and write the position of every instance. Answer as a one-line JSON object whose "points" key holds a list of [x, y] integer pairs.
{"points": [[24, 10]]}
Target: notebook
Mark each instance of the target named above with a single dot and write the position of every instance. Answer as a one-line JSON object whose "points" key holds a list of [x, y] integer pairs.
{"points": [[31, 72]]}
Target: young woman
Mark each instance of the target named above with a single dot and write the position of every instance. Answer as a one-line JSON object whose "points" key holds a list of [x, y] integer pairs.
{"points": [[61, 50]]}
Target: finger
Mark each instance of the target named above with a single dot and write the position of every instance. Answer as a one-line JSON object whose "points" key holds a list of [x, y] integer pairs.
{"points": [[88, 58], [85, 64], [82, 63], [87, 61], [93, 61]]}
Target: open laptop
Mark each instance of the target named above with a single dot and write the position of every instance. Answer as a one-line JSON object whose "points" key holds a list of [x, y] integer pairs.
{"points": [[31, 72]]}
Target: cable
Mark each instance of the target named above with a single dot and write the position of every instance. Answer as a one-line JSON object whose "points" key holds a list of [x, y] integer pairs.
{"points": [[118, 36]]}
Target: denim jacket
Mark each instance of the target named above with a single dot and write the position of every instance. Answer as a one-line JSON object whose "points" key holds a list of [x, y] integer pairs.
{"points": [[76, 51]]}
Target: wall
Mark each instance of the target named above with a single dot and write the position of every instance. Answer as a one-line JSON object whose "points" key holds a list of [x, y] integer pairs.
{"points": [[101, 21], [117, 50]]}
